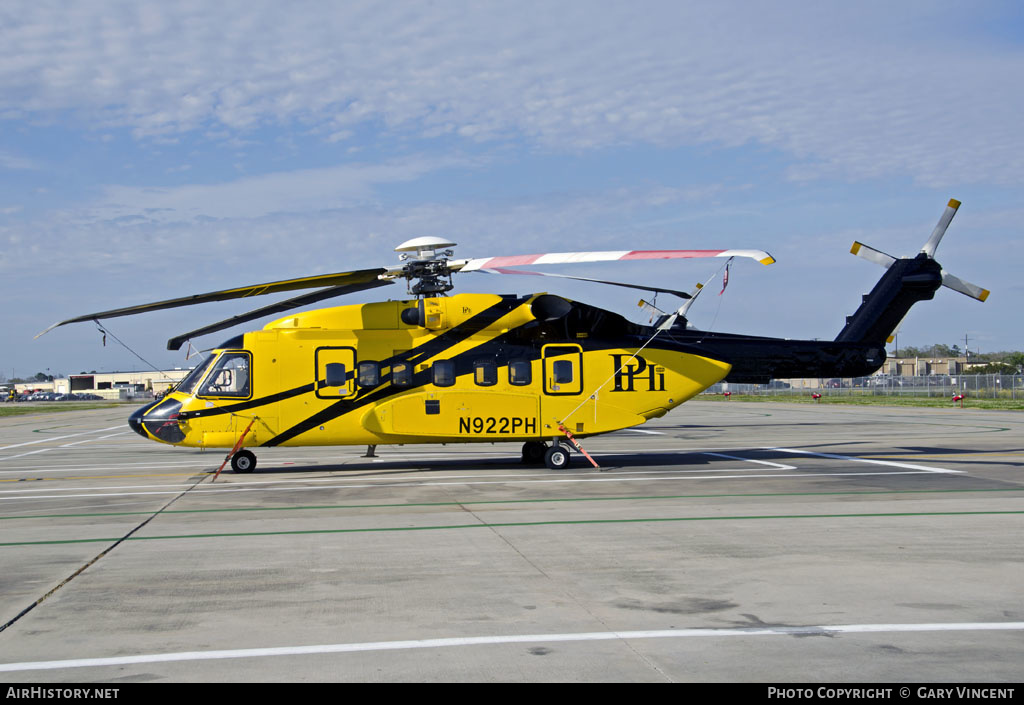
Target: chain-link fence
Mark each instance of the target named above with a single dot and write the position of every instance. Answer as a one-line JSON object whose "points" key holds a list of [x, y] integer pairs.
{"points": [[971, 386]]}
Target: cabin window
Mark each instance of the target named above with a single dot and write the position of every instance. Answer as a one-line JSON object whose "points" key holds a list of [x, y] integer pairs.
{"points": [[562, 371], [485, 373], [230, 377], [401, 374], [369, 374], [444, 373], [336, 374], [335, 371], [520, 372]]}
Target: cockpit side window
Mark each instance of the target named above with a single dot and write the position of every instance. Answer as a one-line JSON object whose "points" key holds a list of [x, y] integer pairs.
{"points": [[230, 377]]}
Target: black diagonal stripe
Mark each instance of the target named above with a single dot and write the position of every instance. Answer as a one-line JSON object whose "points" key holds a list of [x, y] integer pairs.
{"points": [[417, 355], [524, 350], [251, 404], [262, 401]]}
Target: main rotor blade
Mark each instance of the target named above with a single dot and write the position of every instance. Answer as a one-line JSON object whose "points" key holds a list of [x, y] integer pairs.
{"points": [[361, 276], [499, 270], [176, 342], [940, 229], [614, 255], [872, 255], [957, 284]]}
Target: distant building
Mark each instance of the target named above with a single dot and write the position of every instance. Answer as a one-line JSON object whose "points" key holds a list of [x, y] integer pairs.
{"points": [[893, 367], [923, 366], [112, 385]]}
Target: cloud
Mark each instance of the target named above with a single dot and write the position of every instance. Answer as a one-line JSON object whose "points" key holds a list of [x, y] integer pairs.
{"points": [[859, 91], [280, 225], [302, 190], [16, 163]]}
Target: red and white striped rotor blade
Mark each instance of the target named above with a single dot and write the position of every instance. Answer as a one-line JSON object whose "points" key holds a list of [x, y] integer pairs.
{"points": [[643, 287], [608, 256]]}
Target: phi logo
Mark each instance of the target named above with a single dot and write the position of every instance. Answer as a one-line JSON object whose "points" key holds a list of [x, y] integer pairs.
{"points": [[631, 371]]}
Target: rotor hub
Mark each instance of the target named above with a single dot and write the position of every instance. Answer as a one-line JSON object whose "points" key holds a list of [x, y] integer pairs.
{"points": [[426, 269]]}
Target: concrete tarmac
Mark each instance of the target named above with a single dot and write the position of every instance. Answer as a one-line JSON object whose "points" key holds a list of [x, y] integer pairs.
{"points": [[725, 542]]}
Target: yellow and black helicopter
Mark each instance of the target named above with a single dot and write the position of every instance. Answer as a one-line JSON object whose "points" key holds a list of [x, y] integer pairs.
{"points": [[482, 368]]}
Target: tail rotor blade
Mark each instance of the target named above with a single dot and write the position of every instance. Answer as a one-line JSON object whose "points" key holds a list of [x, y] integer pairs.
{"points": [[957, 284], [872, 255], [892, 336], [681, 311], [940, 229]]}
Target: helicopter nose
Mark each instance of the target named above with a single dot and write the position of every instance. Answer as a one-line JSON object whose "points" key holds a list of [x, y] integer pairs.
{"points": [[135, 421], [158, 420]]}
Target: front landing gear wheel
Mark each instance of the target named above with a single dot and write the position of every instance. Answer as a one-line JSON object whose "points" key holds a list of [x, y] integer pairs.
{"points": [[243, 461], [557, 457], [533, 452]]}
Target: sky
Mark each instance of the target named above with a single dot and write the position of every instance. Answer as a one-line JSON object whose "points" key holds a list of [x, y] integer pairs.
{"points": [[151, 150]]}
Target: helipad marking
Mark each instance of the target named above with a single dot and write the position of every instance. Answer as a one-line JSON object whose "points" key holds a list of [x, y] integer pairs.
{"points": [[823, 630]]}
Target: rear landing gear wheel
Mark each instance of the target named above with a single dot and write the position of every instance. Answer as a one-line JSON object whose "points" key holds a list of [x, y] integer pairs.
{"points": [[557, 457], [243, 461], [533, 452]]}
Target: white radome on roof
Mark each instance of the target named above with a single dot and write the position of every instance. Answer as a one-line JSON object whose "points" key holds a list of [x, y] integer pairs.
{"points": [[427, 242]]}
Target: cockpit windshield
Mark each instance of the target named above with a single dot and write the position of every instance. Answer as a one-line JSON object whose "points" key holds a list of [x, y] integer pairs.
{"points": [[189, 383]]}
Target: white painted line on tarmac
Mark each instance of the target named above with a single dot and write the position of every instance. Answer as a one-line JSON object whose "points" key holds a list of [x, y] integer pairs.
{"points": [[92, 440], [199, 463], [889, 463], [750, 460], [22, 455], [823, 630], [391, 481], [204, 489], [60, 438], [382, 481]]}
